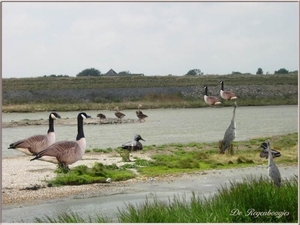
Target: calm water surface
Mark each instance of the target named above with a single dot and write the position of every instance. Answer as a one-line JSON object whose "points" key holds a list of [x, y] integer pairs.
{"points": [[162, 126]]}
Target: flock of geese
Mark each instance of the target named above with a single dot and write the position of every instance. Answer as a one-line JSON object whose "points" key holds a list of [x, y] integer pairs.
{"points": [[65, 153], [141, 116]]}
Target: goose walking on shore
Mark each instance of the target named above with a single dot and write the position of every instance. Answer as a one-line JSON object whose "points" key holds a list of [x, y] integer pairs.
{"points": [[65, 153], [34, 144], [140, 114], [272, 168], [230, 133], [119, 114], [226, 95], [101, 116], [210, 100]]}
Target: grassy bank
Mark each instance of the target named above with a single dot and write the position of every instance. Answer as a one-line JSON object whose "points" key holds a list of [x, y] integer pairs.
{"points": [[63, 94], [255, 200], [173, 159]]}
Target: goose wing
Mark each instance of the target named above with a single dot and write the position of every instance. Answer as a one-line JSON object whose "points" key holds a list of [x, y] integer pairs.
{"points": [[34, 143], [58, 149]]}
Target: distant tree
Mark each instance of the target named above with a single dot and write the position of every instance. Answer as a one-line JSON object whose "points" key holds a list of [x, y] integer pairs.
{"points": [[124, 73], [259, 71], [89, 72], [194, 72], [281, 71], [235, 72]]}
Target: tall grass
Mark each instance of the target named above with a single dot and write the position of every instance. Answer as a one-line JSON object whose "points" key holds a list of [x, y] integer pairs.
{"points": [[254, 200], [239, 202]]}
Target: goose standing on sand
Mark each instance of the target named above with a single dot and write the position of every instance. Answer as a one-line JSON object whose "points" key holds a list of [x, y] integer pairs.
{"points": [[135, 144], [272, 168], [65, 153], [140, 114], [265, 154], [210, 100], [226, 95], [230, 133], [119, 114], [34, 144]]}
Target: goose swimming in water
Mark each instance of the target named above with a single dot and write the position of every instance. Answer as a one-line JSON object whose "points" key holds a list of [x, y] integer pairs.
{"points": [[265, 154], [34, 144], [135, 144], [272, 168], [226, 95], [210, 100], [230, 133], [65, 153]]}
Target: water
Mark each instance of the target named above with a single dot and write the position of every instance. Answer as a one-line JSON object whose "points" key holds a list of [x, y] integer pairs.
{"points": [[162, 126]]}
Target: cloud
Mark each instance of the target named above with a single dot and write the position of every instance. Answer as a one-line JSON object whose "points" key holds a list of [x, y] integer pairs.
{"points": [[151, 38]]}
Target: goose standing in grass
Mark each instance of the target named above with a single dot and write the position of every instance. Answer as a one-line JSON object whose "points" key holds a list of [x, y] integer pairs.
{"points": [[272, 168], [119, 114], [226, 95], [65, 153], [210, 100], [34, 144], [140, 114], [135, 144], [265, 154], [230, 133]]}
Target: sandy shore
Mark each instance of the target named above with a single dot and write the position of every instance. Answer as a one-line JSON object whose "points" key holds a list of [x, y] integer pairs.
{"points": [[24, 180]]}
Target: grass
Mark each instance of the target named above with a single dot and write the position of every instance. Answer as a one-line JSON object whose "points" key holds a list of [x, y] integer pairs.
{"points": [[254, 200], [183, 158], [84, 175], [267, 83]]}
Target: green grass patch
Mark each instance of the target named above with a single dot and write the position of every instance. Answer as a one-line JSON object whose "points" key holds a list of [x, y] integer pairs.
{"points": [[84, 175]]}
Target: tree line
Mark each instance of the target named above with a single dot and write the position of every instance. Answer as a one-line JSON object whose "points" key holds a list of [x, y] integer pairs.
{"points": [[192, 72]]}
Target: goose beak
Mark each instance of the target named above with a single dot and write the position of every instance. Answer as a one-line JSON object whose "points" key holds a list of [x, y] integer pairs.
{"points": [[143, 139]]}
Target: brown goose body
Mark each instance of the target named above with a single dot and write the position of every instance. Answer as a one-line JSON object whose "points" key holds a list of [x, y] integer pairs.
{"points": [[140, 114], [210, 100], [34, 144], [119, 114], [65, 153], [101, 116], [226, 95]]}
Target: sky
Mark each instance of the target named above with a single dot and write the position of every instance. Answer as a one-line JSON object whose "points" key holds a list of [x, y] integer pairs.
{"points": [[153, 38]]}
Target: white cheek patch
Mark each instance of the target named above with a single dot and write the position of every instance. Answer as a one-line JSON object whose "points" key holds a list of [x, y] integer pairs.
{"points": [[83, 116]]}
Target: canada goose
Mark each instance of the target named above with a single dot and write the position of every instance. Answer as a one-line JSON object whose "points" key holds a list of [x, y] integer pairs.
{"points": [[210, 100], [34, 144], [119, 114], [265, 154], [135, 144], [230, 133], [272, 168], [140, 114], [227, 95], [65, 153]]}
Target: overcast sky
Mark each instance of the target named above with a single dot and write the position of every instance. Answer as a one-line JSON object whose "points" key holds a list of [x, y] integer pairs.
{"points": [[151, 38]]}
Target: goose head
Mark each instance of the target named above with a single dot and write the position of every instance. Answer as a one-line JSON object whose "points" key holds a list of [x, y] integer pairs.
{"points": [[54, 115]]}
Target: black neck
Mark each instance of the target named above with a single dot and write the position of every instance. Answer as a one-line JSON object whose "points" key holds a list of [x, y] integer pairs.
{"points": [[51, 126], [222, 86], [205, 91], [80, 133]]}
